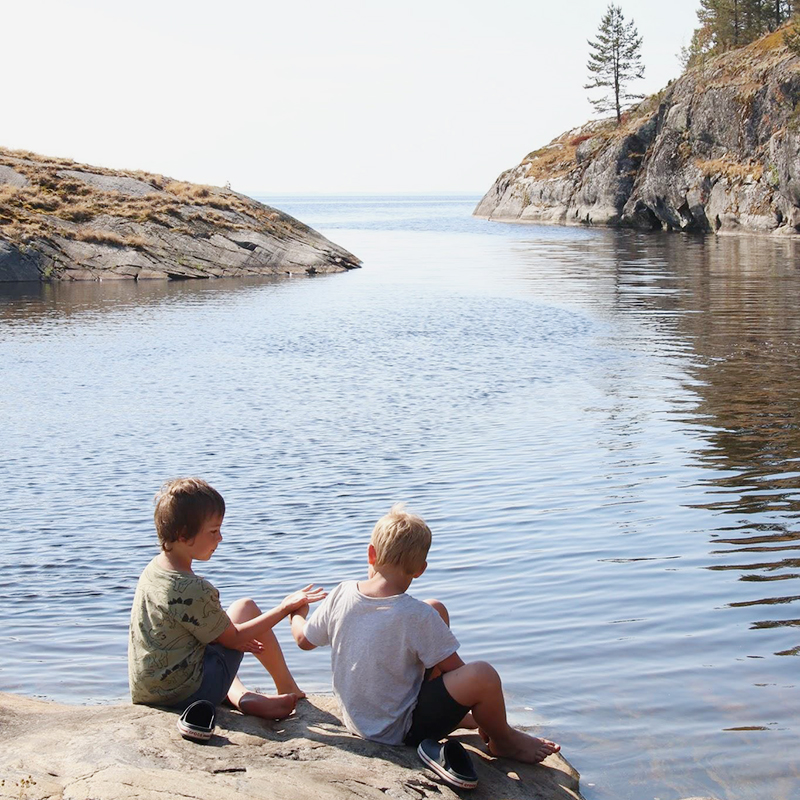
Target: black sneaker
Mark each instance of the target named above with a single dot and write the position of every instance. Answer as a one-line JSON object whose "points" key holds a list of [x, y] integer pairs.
{"points": [[450, 761], [197, 722]]}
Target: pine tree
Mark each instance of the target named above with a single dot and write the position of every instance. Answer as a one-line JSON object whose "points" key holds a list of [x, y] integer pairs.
{"points": [[791, 37], [615, 59], [726, 24]]}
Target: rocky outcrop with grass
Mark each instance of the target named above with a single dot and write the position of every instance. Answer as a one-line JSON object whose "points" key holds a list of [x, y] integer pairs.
{"points": [[717, 150], [51, 752], [65, 221]]}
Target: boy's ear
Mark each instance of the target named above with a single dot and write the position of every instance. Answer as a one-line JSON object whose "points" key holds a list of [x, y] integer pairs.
{"points": [[185, 537], [371, 554], [424, 567]]}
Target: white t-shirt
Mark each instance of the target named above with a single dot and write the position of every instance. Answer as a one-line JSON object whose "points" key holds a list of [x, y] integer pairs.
{"points": [[380, 649]]}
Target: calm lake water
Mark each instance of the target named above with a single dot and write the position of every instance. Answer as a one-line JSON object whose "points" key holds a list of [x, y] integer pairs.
{"points": [[601, 427]]}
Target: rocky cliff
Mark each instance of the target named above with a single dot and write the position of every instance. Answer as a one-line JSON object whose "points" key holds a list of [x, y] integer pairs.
{"points": [[717, 150], [65, 221]]}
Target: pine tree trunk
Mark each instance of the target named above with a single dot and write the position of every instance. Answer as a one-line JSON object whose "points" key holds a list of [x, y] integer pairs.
{"points": [[736, 23]]}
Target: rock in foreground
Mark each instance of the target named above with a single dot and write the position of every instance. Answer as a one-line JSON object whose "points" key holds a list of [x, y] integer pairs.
{"points": [[718, 150], [65, 221], [116, 752]]}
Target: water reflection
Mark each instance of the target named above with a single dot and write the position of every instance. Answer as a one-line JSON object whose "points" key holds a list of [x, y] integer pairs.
{"points": [[27, 303], [735, 302]]}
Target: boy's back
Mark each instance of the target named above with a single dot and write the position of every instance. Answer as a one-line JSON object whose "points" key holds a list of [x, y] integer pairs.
{"points": [[382, 642], [173, 612], [381, 647]]}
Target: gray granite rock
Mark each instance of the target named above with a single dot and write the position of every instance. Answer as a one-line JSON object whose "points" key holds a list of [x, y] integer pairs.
{"points": [[16, 264], [111, 183], [76, 222], [56, 752], [11, 177], [718, 150]]}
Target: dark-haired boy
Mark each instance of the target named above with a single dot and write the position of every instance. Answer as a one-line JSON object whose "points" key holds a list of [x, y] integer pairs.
{"points": [[183, 645]]}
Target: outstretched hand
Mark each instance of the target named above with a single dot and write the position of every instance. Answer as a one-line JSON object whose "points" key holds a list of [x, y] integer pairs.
{"points": [[306, 595], [250, 646]]}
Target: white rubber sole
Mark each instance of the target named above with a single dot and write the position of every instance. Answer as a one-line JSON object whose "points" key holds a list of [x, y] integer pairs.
{"points": [[193, 733], [446, 776]]}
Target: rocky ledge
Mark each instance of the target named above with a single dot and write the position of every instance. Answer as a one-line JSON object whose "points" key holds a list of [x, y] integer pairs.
{"points": [[717, 150], [50, 751], [65, 221]]}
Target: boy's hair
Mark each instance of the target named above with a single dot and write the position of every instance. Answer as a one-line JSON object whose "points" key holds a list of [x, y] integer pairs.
{"points": [[402, 539], [182, 506]]}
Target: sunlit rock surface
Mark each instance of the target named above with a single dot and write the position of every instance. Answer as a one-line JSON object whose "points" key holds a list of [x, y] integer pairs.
{"points": [[50, 751], [65, 221]]}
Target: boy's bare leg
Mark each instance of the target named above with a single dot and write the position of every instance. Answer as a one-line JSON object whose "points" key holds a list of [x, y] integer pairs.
{"points": [[271, 656], [441, 609], [276, 706], [477, 685]]}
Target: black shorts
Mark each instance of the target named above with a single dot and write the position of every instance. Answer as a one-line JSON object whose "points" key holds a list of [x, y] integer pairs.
{"points": [[436, 713]]}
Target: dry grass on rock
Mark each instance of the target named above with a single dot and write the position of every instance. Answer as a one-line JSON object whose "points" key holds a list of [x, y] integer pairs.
{"points": [[57, 200]]}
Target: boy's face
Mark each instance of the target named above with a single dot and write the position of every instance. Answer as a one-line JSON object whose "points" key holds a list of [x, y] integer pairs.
{"points": [[204, 544]]}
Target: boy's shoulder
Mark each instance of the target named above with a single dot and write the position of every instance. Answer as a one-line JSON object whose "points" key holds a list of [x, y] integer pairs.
{"points": [[347, 596], [155, 578]]}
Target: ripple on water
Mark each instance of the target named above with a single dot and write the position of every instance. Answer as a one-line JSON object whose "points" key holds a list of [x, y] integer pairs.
{"points": [[601, 428]]}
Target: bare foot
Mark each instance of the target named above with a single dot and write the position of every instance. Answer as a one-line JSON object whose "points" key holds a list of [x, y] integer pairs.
{"points": [[267, 706], [522, 747], [290, 687]]}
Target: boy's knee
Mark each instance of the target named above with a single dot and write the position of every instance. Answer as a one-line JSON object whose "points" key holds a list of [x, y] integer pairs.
{"points": [[243, 609], [484, 673], [440, 608]]}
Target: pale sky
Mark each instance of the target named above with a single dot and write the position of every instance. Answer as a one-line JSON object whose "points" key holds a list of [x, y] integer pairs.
{"points": [[310, 97]]}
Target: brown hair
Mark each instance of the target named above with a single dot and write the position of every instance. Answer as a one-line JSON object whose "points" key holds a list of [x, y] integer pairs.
{"points": [[182, 506], [401, 538]]}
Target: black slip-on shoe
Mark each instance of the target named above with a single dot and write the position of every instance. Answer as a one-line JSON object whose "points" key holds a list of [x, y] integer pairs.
{"points": [[197, 722], [450, 761]]}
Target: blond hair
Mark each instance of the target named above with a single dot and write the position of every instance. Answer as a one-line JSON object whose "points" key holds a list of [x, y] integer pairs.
{"points": [[182, 506], [402, 539]]}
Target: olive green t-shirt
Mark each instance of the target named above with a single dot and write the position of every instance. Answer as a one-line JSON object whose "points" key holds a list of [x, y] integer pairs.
{"points": [[174, 616]]}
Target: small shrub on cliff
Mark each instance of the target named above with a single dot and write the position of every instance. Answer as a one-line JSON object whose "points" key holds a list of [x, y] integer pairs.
{"points": [[791, 36], [152, 215], [772, 176], [188, 191], [78, 212], [734, 171], [99, 237], [96, 236], [46, 203]]}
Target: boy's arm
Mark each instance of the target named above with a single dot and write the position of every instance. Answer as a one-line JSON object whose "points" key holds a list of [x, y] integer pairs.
{"points": [[297, 620], [239, 634], [450, 663]]}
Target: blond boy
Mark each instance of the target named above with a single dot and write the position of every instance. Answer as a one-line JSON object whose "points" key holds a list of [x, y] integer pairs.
{"points": [[183, 645], [395, 667]]}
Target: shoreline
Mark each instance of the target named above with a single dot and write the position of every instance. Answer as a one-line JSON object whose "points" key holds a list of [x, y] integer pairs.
{"points": [[775, 235]]}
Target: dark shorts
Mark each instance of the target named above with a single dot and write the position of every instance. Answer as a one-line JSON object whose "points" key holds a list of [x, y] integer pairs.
{"points": [[436, 713], [220, 665]]}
